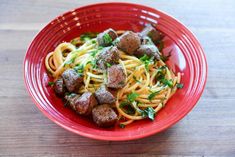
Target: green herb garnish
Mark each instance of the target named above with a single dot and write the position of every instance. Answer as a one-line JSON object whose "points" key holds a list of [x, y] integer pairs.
{"points": [[93, 53], [122, 125], [167, 82], [147, 60], [132, 96], [69, 61], [124, 103], [160, 76], [148, 112], [152, 95], [87, 36], [100, 48], [161, 72], [180, 85], [94, 64], [144, 58], [108, 65], [79, 68], [107, 39], [93, 41], [51, 84]]}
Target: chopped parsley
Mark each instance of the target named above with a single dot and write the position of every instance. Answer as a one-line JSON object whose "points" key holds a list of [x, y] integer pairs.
{"points": [[87, 36], [132, 96], [93, 53], [160, 76], [166, 82], [93, 41], [94, 64], [122, 125], [108, 65], [147, 61], [51, 84], [148, 112], [161, 72], [107, 39], [100, 48], [127, 108], [124, 103], [69, 61], [180, 85], [144, 58], [79, 68], [152, 95]]}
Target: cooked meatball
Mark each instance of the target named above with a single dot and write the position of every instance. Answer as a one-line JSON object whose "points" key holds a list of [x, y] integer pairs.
{"points": [[104, 116], [116, 77], [107, 57], [59, 87], [105, 38], [151, 32], [104, 96], [84, 104], [71, 98], [72, 80], [149, 50], [128, 42]]}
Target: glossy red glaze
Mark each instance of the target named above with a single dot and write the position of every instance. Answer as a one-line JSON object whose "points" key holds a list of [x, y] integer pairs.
{"points": [[187, 58]]}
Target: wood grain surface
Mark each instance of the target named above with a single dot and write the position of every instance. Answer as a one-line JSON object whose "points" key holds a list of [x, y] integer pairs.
{"points": [[209, 130]]}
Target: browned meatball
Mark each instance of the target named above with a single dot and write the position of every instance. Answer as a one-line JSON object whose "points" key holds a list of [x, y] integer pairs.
{"points": [[84, 104], [128, 42], [108, 57], [105, 38], [59, 87], [71, 100], [151, 32], [104, 96], [116, 77], [104, 116], [72, 80], [149, 50]]}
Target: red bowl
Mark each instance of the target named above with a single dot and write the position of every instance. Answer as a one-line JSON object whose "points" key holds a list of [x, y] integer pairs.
{"points": [[187, 58]]}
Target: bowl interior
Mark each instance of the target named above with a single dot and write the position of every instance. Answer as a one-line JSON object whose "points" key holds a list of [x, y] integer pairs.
{"points": [[187, 58]]}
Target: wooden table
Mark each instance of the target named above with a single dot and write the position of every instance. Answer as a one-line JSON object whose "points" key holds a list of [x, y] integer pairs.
{"points": [[209, 130]]}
